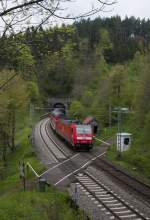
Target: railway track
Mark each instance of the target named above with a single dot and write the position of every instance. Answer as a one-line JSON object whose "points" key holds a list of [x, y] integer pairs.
{"points": [[123, 177], [53, 141], [55, 151], [106, 200], [64, 171]]}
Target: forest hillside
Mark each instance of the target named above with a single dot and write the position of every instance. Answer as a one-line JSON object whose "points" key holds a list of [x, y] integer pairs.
{"points": [[102, 64]]}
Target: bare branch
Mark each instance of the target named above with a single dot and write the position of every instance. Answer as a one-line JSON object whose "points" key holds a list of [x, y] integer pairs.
{"points": [[7, 25], [5, 12], [83, 15], [17, 15], [47, 18], [19, 12], [107, 3]]}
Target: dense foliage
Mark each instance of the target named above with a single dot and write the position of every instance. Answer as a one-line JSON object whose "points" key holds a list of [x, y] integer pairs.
{"points": [[68, 53], [101, 63]]}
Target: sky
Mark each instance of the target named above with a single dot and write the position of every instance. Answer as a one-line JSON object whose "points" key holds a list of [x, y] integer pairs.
{"points": [[137, 8]]}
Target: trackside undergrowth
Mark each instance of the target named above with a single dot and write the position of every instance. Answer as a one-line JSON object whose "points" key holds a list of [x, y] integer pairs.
{"points": [[15, 203]]}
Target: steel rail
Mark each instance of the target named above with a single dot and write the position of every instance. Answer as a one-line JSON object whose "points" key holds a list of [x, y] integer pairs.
{"points": [[121, 200], [80, 168], [60, 149], [86, 188], [123, 173], [110, 192], [52, 153], [59, 164]]}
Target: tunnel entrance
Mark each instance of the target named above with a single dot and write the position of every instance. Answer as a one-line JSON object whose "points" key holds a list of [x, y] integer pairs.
{"points": [[60, 106], [56, 102]]}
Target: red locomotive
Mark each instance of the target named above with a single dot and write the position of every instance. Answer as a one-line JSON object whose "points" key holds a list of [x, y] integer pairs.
{"points": [[79, 136]]}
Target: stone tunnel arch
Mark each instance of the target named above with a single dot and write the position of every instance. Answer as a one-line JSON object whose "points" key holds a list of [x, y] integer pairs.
{"points": [[55, 101]]}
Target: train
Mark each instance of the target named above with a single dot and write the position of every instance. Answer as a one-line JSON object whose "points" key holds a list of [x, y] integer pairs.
{"points": [[79, 136]]}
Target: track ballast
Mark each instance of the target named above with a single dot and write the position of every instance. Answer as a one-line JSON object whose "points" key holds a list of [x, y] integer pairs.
{"points": [[107, 200]]}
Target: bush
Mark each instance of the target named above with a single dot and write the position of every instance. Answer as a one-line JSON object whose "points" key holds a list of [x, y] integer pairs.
{"points": [[35, 205], [76, 109], [139, 161]]}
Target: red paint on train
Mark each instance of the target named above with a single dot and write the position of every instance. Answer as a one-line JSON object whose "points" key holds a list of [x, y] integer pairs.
{"points": [[79, 136]]}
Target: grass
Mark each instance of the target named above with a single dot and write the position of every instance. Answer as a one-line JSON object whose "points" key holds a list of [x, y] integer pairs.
{"points": [[137, 159], [105, 134], [15, 204], [128, 161], [23, 152], [34, 205], [108, 132], [133, 160]]}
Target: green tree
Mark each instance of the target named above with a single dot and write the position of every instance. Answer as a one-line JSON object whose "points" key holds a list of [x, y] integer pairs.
{"points": [[105, 43], [57, 72], [33, 92], [145, 139], [143, 92], [87, 98], [118, 82], [76, 110], [13, 102], [25, 61]]}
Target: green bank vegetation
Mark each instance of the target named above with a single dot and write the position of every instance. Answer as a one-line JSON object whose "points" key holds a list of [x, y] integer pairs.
{"points": [[125, 85], [31, 204], [99, 63]]}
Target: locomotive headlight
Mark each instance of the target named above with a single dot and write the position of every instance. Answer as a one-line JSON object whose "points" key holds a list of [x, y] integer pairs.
{"points": [[88, 138], [80, 138], [84, 138]]}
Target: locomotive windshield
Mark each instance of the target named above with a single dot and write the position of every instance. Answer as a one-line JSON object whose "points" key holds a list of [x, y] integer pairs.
{"points": [[84, 129]]}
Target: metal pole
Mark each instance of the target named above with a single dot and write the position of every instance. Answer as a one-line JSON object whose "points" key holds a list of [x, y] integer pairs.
{"points": [[119, 130], [118, 121]]}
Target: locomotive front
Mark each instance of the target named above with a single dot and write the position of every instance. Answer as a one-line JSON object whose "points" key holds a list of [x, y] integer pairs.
{"points": [[83, 136]]}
